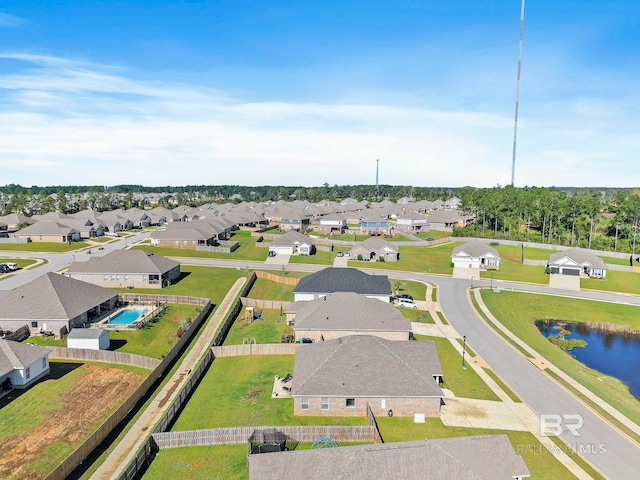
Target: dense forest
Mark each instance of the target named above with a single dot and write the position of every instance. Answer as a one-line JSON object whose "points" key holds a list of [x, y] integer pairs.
{"points": [[602, 219]]}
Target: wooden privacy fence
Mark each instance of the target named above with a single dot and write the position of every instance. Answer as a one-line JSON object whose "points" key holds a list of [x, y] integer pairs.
{"points": [[268, 304], [277, 278], [237, 435], [89, 445], [255, 349], [153, 298], [377, 438], [62, 353]]}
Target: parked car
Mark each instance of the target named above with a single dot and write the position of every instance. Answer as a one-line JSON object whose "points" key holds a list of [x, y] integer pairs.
{"points": [[272, 253], [404, 295], [4, 268], [11, 265], [340, 254], [429, 239], [406, 303]]}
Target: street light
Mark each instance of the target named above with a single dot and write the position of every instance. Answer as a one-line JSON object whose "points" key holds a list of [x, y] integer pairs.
{"points": [[464, 347]]}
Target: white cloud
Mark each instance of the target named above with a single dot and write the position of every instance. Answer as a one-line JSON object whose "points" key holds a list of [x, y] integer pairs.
{"points": [[72, 122]]}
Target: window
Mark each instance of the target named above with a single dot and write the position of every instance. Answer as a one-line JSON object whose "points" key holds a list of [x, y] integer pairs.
{"points": [[44, 362], [117, 278], [350, 403], [305, 403], [34, 324], [105, 278], [325, 404], [27, 373], [126, 277], [113, 278]]}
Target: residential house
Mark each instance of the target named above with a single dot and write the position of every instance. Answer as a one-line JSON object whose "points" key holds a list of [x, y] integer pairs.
{"points": [[347, 313], [189, 234], [54, 303], [475, 254], [372, 224], [292, 220], [127, 269], [453, 203], [332, 280], [88, 338], [577, 262], [21, 365], [48, 231], [412, 222], [291, 243], [480, 457], [374, 249], [445, 220], [340, 377], [13, 220], [332, 224]]}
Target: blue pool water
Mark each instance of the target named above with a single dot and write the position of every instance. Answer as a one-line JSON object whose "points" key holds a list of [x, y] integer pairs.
{"points": [[127, 317]]}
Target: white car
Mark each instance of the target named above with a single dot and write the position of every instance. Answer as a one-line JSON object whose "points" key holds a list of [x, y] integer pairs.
{"points": [[11, 265], [406, 303]]}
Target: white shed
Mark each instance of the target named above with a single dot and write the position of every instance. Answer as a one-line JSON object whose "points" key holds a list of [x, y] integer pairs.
{"points": [[88, 338]]}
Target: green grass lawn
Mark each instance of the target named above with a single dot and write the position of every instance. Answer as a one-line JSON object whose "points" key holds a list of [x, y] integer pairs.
{"points": [[511, 267], [318, 258], [349, 237], [463, 381], [617, 261], [623, 282], [437, 234], [417, 290], [518, 311], [49, 413], [541, 463], [236, 391], [155, 339], [267, 290], [247, 250], [21, 262], [42, 247], [268, 330], [414, 315], [436, 259], [196, 281]]}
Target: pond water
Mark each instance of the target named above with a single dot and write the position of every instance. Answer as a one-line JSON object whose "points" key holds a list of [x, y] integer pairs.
{"points": [[611, 353]]}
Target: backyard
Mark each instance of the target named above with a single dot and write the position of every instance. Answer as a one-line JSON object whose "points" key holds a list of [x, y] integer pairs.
{"points": [[268, 328], [45, 423]]}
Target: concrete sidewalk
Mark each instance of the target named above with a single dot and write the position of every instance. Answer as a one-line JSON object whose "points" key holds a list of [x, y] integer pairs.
{"points": [[129, 445]]}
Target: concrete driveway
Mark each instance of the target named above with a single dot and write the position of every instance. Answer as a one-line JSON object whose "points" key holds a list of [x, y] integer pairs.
{"points": [[468, 412], [279, 259]]}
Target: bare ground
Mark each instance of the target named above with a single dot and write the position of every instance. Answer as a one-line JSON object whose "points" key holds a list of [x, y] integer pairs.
{"points": [[85, 405]]}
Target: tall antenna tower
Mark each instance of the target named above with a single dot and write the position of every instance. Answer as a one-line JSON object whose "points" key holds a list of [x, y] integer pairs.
{"points": [[515, 123], [377, 184]]}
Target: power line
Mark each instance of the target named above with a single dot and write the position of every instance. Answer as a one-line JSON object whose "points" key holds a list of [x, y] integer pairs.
{"points": [[515, 123]]}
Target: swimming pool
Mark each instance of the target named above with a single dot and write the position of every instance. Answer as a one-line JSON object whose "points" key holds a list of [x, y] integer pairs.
{"points": [[126, 317]]}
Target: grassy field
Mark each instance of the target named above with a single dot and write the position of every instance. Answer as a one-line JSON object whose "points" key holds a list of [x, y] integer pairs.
{"points": [[518, 311], [436, 259], [268, 290], [414, 315], [236, 391], [154, 340], [21, 262], [461, 380], [268, 330], [247, 250], [623, 282], [319, 258], [45, 423], [541, 463], [511, 267], [417, 290], [48, 247], [437, 234]]}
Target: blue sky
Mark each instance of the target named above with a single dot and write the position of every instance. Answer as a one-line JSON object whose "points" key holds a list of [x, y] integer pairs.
{"points": [[303, 93]]}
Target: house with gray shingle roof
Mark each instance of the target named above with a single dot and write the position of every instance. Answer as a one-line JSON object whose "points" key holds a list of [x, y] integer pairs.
{"points": [[481, 457], [375, 248], [54, 303], [475, 254], [412, 222], [577, 262], [347, 313], [291, 243], [22, 364], [48, 231], [332, 280], [340, 377], [332, 224], [127, 269]]}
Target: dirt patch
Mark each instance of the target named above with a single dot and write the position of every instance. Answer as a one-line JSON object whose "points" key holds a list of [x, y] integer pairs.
{"points": [[176, 384], [85, 405]]}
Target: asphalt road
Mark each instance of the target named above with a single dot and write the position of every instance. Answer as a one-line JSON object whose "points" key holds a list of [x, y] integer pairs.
{"points": [[610, 451]]}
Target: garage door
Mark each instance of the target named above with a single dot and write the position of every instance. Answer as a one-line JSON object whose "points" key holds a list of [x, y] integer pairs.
{"points": [[571, 271]]}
